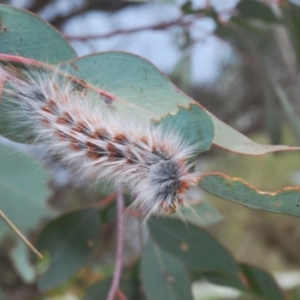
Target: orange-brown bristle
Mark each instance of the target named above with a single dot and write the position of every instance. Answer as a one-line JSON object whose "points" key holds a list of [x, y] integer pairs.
{"points": [[61, 135], [81, 127], [93, 152], [183, 186], [68, 118], [45, 122], [62, 121], [121, 139], [52, 107], [131, 157], [102, 134], [113, 151], [144, 140], [77, 145], [46, 109]]}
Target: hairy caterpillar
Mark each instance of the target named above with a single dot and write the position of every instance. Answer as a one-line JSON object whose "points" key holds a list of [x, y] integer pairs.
{"points": [[150, 161]]}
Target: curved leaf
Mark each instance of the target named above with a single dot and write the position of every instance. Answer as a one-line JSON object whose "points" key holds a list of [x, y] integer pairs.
{"points": [[286, 201], [25, 34], [70, 240], [164, 276], [99, 290], [261, 283], [195, 247], [193, 124], [21, 259], [23, 190], [229, 139]]}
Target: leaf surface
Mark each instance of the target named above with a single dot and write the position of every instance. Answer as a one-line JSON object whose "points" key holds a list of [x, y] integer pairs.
{"points": [[261, 283], [25, 34], [164, 276], [98, 290], [195, 248], [286, 201], [23, 190], [69, 240]]}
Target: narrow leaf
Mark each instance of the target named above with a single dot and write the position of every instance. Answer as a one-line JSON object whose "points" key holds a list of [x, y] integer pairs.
{"points": [[70, 241], [228, 138], [261, 283], [23, 190], [20, 258], [195, 247], [164, 276], [98, 290], [286, 201]]}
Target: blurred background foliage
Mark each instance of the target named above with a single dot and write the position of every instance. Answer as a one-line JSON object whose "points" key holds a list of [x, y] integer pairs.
{"points": [[250, 52]]}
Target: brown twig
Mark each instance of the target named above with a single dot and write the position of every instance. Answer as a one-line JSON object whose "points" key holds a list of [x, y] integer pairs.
{"points": [[161, 26], [19, 234], [110, 6], [121, 295], [120, 245]]}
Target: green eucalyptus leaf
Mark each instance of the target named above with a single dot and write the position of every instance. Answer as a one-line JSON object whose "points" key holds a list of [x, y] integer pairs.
{"points": [[286, 201], [193, 124], [141, 92], [25, 34], [163, 276], [228, 138], [23, 190], [194, 247], [138, 89], [21, 261], [99, 290], [69, 240], [261, 283]]}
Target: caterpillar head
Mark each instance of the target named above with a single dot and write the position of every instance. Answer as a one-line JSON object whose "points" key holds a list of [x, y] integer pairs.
{"points": [[170, 178]]}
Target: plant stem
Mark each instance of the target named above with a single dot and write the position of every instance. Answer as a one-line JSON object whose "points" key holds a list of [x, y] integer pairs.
{"points": [[19, 234], [120, 244]]}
